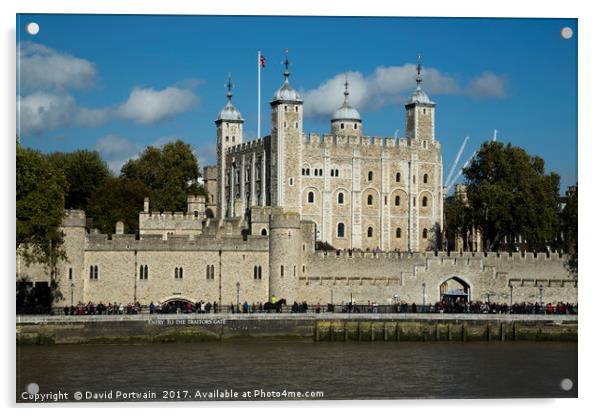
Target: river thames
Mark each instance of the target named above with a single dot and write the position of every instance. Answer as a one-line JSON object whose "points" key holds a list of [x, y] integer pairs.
{"points": [[345, 370]]}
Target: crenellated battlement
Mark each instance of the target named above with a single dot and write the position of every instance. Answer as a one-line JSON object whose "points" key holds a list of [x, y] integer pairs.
{"points": [[156, 242], [257, 144], [328, 140]]}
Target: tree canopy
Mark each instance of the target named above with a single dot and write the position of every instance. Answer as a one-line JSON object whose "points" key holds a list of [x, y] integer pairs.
{"points": [[84, 171], [170, 172], [509, 194], [117, 199], [40, 189]]}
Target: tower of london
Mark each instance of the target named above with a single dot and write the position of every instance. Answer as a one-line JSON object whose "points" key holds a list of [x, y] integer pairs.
{"points": [[376, 202], [361, 191]]}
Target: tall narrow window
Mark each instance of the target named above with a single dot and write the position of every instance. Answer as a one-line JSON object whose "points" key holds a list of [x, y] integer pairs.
{"points": [[95, 272], [398, 233], [310, 197], [281, 271], [341, 198], [425, 178], [370, 176], [369, 200], [398, 177], [425, 201], [91, 272], [370, 232], [70, 273], [341, 230], [397, 200], [425, 233]]}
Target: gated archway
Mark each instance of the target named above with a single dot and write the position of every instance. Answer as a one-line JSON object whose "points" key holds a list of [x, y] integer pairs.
{"points": [[454, 289]]}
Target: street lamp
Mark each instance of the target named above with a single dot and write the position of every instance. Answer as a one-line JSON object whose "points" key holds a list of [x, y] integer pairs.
{"points": [[511, 287], [487, 294], [237, 295], [541, 295], [72, 286], [423, 296]]}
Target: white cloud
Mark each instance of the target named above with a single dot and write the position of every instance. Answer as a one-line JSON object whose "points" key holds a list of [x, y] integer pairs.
{"points": [[117, 150], [385, 86], [43, 68], [41, 111], [391, 86], [147, 105], [488, 84]]}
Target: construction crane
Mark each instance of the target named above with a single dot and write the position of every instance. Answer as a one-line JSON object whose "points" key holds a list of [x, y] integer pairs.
{"points": [[464, 166], [455, 164]]}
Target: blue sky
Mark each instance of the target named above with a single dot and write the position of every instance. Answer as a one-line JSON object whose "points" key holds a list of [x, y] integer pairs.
{"points": [[119, 83]]}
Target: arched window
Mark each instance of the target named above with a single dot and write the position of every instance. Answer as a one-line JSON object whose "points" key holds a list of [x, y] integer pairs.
{"points": [[398, 177], [141, 272], [181, 273], [264, 231], [315, 172], [145, 272], [259, 272], [341, 230], [255, 272], [397, 200], [281, 271], [369, 199], [341, 198], [398, 233], [370, 176], [425, 178], [425, 233], [355, 126], [310, 197], [320, 172], [425, 201], [342, 125], [370, 232]]}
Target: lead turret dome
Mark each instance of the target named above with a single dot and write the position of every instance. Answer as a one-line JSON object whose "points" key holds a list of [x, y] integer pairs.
{"points": [[229, 112]]}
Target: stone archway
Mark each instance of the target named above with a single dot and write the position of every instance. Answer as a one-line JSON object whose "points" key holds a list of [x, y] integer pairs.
{"points": [[454, 288], [172, 304]]}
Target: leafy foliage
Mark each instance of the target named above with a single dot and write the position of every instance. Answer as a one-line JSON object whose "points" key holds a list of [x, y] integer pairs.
{"points": [[118, 199], [170, 172], [509, 194], [570, 229], [84, 170], [40, 189]]}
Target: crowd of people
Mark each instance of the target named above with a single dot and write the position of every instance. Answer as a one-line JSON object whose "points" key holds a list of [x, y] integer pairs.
{"points": [[459, 305]]}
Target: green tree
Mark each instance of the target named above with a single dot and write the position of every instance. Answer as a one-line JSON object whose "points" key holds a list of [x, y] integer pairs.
{"points": [[117, 199], [40, 189], [84, 170], [170, 172], [568, 219], [455, 218], [509, 194]]}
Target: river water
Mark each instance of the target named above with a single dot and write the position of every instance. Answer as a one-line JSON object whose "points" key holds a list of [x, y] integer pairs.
{"points": [[273, 369]]}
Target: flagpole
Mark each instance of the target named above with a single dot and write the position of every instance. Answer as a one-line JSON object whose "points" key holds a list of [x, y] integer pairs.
{"points": [[258, 94]]}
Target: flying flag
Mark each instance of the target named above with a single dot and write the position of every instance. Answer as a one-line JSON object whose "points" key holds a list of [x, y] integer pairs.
{"points": [[262, 61]]}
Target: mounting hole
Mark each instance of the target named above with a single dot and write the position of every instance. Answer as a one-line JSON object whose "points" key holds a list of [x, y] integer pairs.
{"points": [[566, 32], [32, 28], [566, 384], [33, 388]]}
